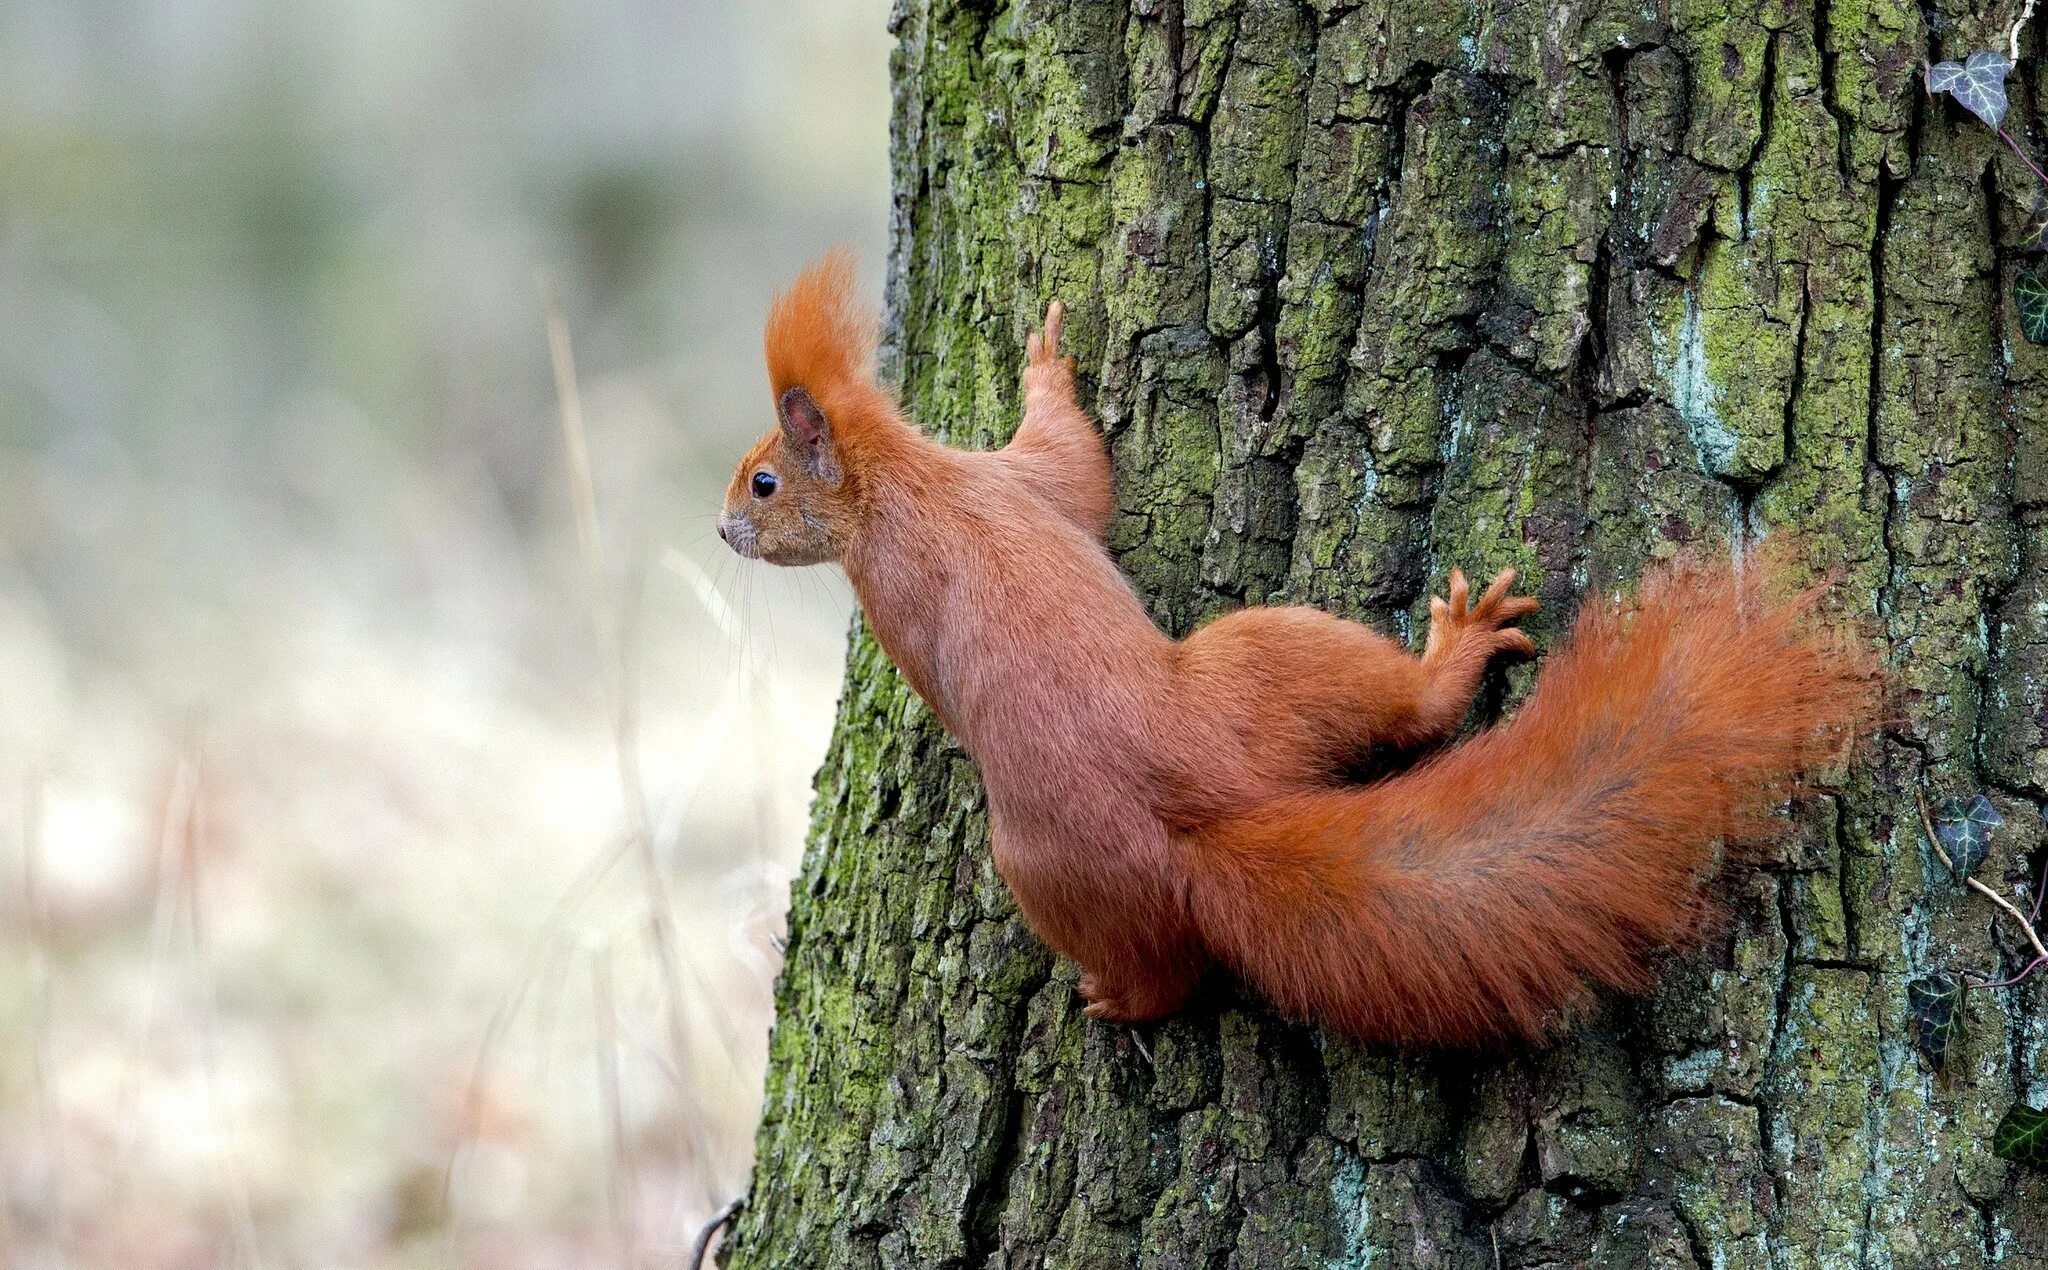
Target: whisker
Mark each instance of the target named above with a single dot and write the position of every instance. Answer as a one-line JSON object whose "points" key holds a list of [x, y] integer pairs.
{"points": [[774, 649], [689, 1017]]}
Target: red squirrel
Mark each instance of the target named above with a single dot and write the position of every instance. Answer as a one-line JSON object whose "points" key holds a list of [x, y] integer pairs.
{"points": [[1159, 807]]}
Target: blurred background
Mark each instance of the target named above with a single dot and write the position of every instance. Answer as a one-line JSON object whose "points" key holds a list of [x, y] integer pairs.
{"points": [[326, 931]]}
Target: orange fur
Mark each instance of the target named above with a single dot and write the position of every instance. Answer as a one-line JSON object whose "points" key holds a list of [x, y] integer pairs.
{"points": [[1159, 807], [818, 334]]}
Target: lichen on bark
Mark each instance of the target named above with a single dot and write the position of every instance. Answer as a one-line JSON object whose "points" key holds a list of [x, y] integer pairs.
{"points": [[1363, 291]]}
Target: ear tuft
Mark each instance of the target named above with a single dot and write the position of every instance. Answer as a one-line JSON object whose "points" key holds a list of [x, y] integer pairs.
{"points": [[819, 333]]}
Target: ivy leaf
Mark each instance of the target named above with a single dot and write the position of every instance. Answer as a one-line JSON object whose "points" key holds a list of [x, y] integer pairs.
{"points": [[1977, 82], [2030, 297], [2022, 1137], [2030, 237], [1964, 828], [1934, 1006]]}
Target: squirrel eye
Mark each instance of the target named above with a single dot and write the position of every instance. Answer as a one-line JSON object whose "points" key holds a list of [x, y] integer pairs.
{"points": [[764, 484]]}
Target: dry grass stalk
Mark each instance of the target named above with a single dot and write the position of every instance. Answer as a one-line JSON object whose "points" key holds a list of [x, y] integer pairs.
{"points": [[619, 1188]]}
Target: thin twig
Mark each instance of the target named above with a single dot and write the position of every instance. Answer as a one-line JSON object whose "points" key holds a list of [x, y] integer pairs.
{"points": [[604, 622], [2027, 927], [170, 870], [234, 1164], [702, 1245], [546, 945], [1138, 1039], [2032, 166], [638, 839], [619, 1194], [2019, 978], [615, 664], [49, 1114]]}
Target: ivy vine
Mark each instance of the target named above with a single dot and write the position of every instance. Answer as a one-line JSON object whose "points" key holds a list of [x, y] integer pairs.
{"points": [[1960, 837], [1977, 84]]}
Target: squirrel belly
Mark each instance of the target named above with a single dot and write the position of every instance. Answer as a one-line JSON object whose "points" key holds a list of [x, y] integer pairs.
{"points": [[1160, 807]]}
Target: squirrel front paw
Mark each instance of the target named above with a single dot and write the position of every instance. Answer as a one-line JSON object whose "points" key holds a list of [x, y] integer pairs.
{"points": [[1455, 621], [1043, 345], [1042, 360]]}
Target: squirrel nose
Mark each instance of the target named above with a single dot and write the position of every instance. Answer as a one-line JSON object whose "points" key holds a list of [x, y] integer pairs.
{"points": [[725, 530]]}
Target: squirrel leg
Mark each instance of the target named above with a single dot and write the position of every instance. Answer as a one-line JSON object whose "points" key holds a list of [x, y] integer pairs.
{"points": [[1140, 992], [1097, 880], [1464, 637], [1307, 694], [1057, 450]]}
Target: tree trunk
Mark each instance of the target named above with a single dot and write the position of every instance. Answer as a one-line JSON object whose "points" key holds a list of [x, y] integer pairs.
{"points": [[1365, 292]]}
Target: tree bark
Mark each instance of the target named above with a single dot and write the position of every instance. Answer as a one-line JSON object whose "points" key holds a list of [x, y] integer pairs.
{"points": [[1364, 292]]}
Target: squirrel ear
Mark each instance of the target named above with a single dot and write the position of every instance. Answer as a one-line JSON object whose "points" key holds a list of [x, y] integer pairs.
{"points": [[808, 434]]}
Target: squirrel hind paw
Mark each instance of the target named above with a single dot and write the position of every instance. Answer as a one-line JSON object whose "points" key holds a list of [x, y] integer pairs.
{"points": [[1494, 608], [1133, 1002]]}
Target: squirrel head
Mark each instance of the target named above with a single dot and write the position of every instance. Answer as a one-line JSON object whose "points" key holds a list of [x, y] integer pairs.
{"points": [[791, 501], [798, 495]]}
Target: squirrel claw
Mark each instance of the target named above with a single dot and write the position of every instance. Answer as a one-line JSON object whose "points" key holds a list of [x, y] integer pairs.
{"points": [[1108, 1009], [1111, 1010], [1500, 608], [1100, 1004], [1497, 588], [1517, 642]]}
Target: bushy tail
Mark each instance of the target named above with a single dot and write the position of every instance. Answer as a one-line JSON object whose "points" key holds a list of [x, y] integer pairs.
{"points": [[1476, 894]]}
